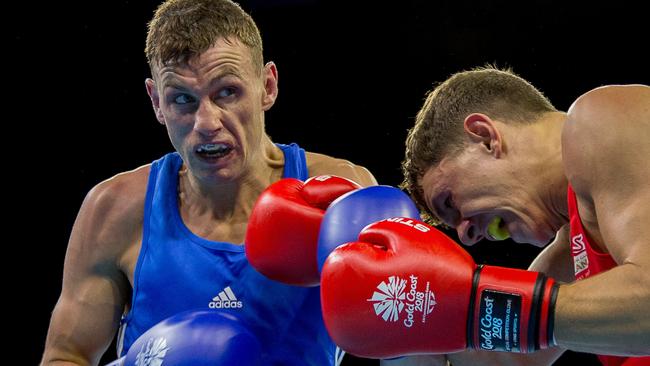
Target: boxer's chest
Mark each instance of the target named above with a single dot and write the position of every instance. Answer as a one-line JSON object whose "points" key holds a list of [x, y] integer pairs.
{"points": [[589, 221]]}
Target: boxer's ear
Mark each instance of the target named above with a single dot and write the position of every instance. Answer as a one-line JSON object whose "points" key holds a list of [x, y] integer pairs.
{"points": [[150, 84], [270, 76], [481, 129]]}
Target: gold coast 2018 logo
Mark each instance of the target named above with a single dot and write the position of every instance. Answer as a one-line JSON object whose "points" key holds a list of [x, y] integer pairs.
{"points": [[397, 295]]}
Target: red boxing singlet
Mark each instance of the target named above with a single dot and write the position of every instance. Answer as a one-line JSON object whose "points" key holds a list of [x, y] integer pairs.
{"points": [[588, 261]]}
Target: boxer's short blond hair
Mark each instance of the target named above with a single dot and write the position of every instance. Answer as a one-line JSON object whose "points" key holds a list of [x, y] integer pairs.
{"points": [[182, 29], [438, 130]]}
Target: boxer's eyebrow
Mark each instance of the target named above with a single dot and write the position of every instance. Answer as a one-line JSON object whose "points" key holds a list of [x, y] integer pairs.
{"points": [[171, 81], [174, 84]]}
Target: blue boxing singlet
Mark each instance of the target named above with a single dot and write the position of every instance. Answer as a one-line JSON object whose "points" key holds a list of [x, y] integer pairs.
{"points": [[178, 271]]}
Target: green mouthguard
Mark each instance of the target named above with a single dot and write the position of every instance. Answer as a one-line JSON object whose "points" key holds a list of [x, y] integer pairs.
{"points": [[496, 232]]}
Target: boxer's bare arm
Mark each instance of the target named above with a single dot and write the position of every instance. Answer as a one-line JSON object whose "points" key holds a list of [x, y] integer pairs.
{"points": [[95, 287], [475, 357], [555, 260], [606, 144], [320, 164]]}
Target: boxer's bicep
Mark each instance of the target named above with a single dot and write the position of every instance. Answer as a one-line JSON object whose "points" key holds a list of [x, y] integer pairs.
{"points": [[354, 172], [623, 213], [320, 164], [94, 290], [624, 223], [366, 179], [82, 326]]}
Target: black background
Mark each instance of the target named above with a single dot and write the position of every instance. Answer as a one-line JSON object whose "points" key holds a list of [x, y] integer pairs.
{"points": [[352, 77]]}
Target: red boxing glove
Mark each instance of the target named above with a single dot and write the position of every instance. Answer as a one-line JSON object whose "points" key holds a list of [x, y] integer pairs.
{"points": [[282, 231], [406, 288]]}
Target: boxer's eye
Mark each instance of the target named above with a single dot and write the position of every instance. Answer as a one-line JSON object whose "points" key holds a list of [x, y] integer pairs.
{"points": [[227, 92], [183, 99], [449, 214], [449, 204]]}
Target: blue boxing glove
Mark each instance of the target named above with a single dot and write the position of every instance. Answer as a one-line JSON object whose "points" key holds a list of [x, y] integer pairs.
{"points": [[196, 338], [350, 213]]}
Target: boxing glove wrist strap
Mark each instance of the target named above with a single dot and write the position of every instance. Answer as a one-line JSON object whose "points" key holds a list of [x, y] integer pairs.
{"points": [[511, 310]]}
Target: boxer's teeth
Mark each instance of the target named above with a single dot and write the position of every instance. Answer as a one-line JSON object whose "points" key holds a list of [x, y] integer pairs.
{"points": [[213, 150], [208, 148]]}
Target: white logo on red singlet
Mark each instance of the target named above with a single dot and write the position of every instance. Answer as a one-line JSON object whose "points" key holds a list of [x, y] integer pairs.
{"points": [[577, 244], [391, 298], [579, 252]]}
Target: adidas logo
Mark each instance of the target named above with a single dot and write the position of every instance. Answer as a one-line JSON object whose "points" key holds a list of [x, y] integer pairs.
{"points": [[225, 300], [390, 299]]}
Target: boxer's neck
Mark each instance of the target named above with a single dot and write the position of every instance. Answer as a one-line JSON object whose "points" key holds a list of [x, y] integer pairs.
{"points": [[232, 199], [544, 154]]}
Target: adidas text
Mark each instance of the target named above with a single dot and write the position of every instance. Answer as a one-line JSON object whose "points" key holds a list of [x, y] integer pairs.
{"points": [[225, 300]]}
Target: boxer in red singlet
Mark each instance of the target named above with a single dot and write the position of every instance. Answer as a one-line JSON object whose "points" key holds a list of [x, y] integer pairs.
{"points": [[490, 156]]}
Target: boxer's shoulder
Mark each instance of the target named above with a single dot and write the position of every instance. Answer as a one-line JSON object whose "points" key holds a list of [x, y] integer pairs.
{"points": [[111, 216], [602, 127], [608, 113], [611, 98], [320, 164], [121, 197]]}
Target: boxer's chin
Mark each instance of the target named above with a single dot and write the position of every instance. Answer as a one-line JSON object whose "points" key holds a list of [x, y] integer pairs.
{"points": [[537, 236]]}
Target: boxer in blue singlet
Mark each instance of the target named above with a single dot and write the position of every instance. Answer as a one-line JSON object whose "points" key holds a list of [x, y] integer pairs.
{"points": [[167, 237], [206, 274]]}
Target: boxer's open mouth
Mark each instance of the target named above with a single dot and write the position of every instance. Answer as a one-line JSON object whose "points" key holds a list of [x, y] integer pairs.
{"points": [[213, 150]]}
